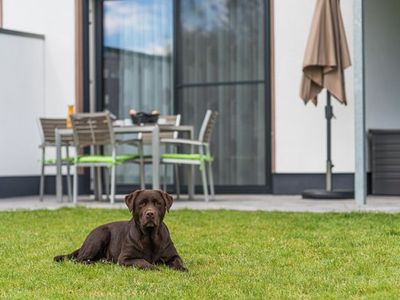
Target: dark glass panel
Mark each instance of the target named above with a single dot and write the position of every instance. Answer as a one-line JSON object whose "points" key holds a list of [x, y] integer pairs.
{"points": [[238, 141]]}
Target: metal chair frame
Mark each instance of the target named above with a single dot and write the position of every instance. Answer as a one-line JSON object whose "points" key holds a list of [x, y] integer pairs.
{"points": [[95, 130], [144, 138], [47, 128], [203, 146]]}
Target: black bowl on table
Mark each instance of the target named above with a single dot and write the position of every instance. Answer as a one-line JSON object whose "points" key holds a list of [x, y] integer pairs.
{"points": [[144, 118]]}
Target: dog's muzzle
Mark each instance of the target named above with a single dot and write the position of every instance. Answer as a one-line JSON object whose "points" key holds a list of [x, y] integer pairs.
{"points": [[150, 219]]}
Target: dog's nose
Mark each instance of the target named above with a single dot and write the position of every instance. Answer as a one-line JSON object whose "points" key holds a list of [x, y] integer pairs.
{"points": [[149, 214]]}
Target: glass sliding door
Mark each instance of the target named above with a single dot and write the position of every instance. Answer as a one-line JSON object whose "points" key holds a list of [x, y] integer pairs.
{"points": [[221, 65], [137, 62], [187, 56]]}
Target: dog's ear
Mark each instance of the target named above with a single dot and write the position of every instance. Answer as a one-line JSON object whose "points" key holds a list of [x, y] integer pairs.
{"points": [[130, 199], [167, 199]]}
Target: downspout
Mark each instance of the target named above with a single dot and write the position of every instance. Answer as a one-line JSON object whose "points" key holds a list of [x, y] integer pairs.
{"points": [[92, 56], [79, 96], [1, 13], [360, 180]]}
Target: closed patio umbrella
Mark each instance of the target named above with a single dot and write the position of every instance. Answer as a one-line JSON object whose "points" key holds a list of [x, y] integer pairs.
{"points": [[326, 57]]}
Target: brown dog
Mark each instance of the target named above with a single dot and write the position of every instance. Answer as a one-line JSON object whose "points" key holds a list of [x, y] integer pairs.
{"points": [[141, 242]]}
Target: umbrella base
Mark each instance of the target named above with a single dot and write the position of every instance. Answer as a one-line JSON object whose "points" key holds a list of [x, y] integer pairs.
{"points": [[328, 195]]}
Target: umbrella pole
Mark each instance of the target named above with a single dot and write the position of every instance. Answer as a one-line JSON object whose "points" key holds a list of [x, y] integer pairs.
{"points": [[329, 165], [328, 193]]}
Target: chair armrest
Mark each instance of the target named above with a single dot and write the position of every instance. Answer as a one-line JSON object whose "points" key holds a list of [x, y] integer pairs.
{"points": [[182, 141]]}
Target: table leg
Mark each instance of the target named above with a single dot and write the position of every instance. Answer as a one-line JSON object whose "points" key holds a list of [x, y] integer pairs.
{"points": [[99, 193], [191, 172], [156, 157], [98, 190], [58, 166], [68, 175]]}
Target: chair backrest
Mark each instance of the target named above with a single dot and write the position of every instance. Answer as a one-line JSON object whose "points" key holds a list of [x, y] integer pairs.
{"points": [[47, 128], [207, 126], [163, 120], [92, 129]]}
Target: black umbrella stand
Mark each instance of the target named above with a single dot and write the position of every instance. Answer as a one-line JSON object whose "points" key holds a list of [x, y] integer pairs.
{"points": [[328, 192]]}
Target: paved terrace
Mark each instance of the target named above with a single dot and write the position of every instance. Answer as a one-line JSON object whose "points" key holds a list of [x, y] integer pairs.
{"points": [[232, 202]]}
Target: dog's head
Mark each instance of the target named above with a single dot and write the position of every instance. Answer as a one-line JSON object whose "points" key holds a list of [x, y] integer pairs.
{"points": [[148, 207]]}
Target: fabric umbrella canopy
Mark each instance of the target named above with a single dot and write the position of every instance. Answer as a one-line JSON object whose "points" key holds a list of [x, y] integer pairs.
{"points": [[327, 54], [326, 58]]}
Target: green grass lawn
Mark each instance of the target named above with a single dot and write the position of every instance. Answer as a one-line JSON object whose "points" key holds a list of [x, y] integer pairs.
{"points": [[231, 255]]}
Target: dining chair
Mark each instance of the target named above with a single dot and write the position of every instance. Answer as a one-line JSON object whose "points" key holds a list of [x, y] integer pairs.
{"points": [[145, 139], [95, 129], [47, 128], [201, 157]]}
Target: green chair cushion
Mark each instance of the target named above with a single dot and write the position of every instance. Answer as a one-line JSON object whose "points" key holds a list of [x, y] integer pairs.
{"points": [[182, 156], [64, 161], [107, 159]]}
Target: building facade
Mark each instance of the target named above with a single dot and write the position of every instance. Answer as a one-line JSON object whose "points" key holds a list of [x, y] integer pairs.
{"points": [[242, 58]]}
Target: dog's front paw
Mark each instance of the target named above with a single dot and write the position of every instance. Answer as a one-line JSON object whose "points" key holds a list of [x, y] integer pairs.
{"points": [[181, 269], [59, 258], [144, 265], [177, 264]]}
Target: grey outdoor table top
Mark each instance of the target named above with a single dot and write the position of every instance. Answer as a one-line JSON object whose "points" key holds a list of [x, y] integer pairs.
{"points": [[136, 129], [154, 129]]}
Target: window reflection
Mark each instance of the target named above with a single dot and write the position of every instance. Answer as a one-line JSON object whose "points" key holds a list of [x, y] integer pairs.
{"points": [[206, 16], [221, 41], [143, 26], [138, 55]]}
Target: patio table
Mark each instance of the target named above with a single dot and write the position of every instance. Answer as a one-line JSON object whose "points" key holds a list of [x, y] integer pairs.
{"points": [[154, 129]]}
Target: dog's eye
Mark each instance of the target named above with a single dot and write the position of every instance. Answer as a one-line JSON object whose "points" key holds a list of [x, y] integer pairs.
{"points": [[157, 203], [142, 203]]}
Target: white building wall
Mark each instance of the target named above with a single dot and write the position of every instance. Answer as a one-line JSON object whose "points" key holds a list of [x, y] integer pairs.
{"points": [[301, 130], [21, 101], [56, 20]]}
